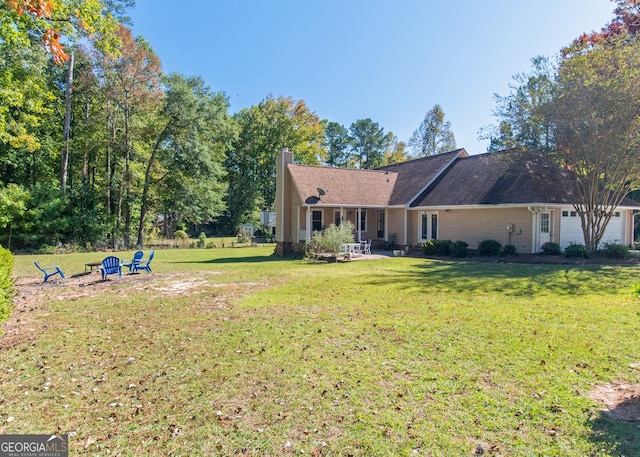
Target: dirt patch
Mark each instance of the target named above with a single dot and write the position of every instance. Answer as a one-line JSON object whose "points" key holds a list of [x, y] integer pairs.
{"points": [[621, 400], [33, 296]]}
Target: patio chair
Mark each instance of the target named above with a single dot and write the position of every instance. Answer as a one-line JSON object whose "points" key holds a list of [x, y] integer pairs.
{"points": [[132, 263], [367, 247], [144, 264], [50, 271], [111, 266]]}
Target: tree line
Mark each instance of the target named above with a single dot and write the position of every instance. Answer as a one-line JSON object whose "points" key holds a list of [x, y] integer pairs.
{"points": [[100, 148]]}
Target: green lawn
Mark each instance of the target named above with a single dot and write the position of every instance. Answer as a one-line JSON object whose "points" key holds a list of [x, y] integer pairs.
{"points": [[236, 352]]}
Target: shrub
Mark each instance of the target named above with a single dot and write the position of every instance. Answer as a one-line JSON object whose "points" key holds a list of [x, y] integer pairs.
{"points": [[489, 247], [459, 249], [576, 250], [202, 240], [509, 249], [437, 247], [244, 236], [181, 236], [330, 239], [615, 251], [549, 248], [6, 284]]}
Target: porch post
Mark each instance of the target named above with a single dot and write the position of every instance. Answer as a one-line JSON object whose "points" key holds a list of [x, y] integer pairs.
{"points": [[358, 215], [308, 220]]}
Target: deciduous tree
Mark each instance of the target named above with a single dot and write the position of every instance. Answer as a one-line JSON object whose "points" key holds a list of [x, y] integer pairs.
{"points": [[597, 128], [434, 136]]}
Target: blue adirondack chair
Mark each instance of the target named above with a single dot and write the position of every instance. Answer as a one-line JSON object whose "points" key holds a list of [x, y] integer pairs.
{"points": [[50, 271], [111, 266], [132, 263], [144, 264]]}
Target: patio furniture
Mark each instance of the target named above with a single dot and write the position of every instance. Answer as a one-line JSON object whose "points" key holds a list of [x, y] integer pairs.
{"points": [[144, 264], [111, 266], [135, 261], [91, 266], [50, 271], [366, 247]]}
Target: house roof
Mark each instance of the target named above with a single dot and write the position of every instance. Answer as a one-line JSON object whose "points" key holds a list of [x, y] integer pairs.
{"points": [[415, 175], [499, 178], [450, 179], [343, 186]]}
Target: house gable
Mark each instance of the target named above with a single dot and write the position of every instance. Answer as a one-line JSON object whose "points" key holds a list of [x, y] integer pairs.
{"points": [[415, 176]]}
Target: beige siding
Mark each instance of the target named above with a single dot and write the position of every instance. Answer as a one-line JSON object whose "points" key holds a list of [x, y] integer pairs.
{"points": [[395, 225], [475, 225]]}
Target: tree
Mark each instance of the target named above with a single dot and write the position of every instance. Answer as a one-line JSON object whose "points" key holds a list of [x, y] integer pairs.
{"points": [[251, 166], [338, 144], [133, 81], [434, 136], [396, 152], [368, 143], [522, 115], [597, 128], [185, 164]]}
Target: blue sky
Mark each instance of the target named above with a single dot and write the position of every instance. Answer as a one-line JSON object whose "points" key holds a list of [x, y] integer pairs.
{"points": [[390, 61]]}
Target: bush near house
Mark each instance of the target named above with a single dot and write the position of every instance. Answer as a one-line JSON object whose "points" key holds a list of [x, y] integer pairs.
{"points": [[489, 247], [550, 248], [615, 251], [437, 247], [509, 249], [460, 249], [6, 283], [330, 239], [575, 250]]}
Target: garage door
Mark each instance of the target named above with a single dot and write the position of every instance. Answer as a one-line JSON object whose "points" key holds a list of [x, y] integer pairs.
{"points": [[571, 229]]}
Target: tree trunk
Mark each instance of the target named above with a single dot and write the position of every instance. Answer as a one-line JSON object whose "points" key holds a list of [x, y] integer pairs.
{"points": [[67, 128]]}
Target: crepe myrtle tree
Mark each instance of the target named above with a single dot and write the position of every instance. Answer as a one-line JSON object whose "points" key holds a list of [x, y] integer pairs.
{"points": [[594, 114]]}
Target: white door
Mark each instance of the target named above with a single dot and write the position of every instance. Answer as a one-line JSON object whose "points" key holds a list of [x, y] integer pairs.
{"points": [[545, 227]]}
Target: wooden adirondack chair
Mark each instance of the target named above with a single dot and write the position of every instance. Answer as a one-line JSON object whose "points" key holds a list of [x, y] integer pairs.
{"points": [[135, 261], [144, 264], [50, 271], [110, 266]]}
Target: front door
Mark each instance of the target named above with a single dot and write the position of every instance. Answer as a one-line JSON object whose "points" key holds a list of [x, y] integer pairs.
{"points": [[545, 227]]}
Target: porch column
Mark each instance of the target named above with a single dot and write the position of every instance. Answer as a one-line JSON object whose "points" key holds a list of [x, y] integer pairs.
{"points": [[308, 219], [358, 224]]}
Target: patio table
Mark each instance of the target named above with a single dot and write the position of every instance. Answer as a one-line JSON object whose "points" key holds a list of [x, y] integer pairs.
{"points": [[91, 266], [350, 247]]}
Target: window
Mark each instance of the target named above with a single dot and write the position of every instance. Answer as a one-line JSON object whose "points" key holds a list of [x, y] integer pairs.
{"points": [[573, 214], [316, 221], [616, 214], [423, 227], [380, 224], [565, 214], [434, 226], [363, 221], [336, 218], [544, 222]]}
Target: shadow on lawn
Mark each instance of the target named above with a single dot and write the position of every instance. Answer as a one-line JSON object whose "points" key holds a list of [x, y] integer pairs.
{"points": [[616, 437], [252, 259], [513, 279]]}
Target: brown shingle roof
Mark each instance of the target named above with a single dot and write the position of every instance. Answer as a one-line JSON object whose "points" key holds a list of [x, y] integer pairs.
{"points": [[498, 179], [344, 186], [415, 175]]}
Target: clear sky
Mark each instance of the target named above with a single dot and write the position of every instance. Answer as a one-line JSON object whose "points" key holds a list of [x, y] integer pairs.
{"points": [[390, 61]]}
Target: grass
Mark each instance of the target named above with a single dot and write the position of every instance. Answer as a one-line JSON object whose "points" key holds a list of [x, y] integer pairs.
{"points": [[237, 352]]}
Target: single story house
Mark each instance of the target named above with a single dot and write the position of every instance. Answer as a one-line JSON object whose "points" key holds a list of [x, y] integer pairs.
{"points": [[453, 196]]}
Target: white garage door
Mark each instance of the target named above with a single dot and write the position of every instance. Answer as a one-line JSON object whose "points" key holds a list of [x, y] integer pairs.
{"points": [[571, 230]]}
